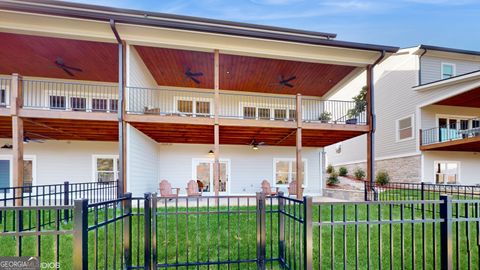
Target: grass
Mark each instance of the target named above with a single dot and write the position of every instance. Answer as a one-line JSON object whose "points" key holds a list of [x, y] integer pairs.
{"points": [[222, 234]]}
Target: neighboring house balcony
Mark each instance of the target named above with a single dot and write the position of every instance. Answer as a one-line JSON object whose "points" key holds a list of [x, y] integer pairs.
{"points": [[452, 137]]}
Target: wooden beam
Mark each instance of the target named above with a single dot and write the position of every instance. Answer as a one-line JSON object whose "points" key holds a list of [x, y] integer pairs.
{"points": [[299, 168], [371, 125], [216, 131], [17, 139], [16, 98]]}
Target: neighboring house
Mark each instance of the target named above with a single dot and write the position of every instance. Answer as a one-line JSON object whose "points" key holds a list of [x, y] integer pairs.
{"points": [[101, 94], [428, 109]]}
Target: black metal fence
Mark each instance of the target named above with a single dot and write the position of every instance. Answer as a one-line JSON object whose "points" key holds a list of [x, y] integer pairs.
{"points": [[251, 232], [395, 191]]}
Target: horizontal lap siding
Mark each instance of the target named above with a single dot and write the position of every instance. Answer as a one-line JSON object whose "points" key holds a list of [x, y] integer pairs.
{"points": [[432, 67], [59, 161], [142, 162], [248, 167]]}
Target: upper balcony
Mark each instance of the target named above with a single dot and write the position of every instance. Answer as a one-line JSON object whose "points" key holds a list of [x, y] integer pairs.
{"points": [[452, 137]]}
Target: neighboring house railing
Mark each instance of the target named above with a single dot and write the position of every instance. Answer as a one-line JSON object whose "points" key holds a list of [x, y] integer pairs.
{"points": [[69, 96], [447, 133], [234, 105], [257, 232], [399, 191]]}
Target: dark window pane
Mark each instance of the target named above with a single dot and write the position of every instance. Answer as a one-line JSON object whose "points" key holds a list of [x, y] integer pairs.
{"points": [[3, 97], [263, 113], [185, 106], [113, 105], [99, 104], [78, 104], [249, 112], [203, 107], [280, 114], [57, 102]]}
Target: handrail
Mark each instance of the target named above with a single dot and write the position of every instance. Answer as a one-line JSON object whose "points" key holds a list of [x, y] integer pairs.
{"points": [[448, 133]]}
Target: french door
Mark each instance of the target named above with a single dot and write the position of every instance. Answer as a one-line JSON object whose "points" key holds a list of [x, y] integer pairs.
{"points": [[203, 172]]}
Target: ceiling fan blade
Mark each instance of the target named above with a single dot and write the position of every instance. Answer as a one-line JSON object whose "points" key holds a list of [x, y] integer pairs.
{"points": [[37, 140], [196, 74], [195, 80], [261, 143], [67, 71], [59, 61], [290, 79], [289, 85], [73, 68]]}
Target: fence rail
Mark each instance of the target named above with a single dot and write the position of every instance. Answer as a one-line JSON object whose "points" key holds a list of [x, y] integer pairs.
{"points": [[396, 191], [70, 96]]}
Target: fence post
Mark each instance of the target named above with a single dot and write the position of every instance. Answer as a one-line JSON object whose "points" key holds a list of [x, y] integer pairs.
{"points": [[307, 233], [80, 235], [281, 228], [127, 231], [66, 199], [423, 190], [154, 230], [365, 188], [446, 232], [147, 230], [261, 231]]}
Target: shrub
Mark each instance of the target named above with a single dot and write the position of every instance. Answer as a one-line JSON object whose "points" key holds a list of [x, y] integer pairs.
{"points": [[332, 179], [342, 171], [359, 173], [382, 178], [329, 168]]}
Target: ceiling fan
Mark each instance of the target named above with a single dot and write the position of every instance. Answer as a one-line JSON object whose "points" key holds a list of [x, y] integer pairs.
{"points": [[192, 75], [68, 69], [256, 144], [283, 81]]}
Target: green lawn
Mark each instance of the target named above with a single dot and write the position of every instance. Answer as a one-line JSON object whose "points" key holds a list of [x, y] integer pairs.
{"points": [[220, 236]]}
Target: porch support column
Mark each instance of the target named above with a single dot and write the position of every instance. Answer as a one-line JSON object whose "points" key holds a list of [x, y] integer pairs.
{"points": [[216, 128], [299, 167], [122, 138], [17, 135], [372, 124]]}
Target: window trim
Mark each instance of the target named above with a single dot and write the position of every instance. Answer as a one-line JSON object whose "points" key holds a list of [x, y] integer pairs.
{"points": [[454, 70], [459, 164], [397, 128], [94, 166], [305, 173], [194, 105]]}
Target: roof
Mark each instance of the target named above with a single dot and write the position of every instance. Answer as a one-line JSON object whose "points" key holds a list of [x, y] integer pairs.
{"points": [[450, 50], [474, 75], [154, 19]]}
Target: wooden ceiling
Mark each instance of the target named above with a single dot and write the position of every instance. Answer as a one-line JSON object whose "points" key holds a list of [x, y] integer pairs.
{"points": [[63, 129], [35, 56], [241, 73], [203, 134], [467, 99]]}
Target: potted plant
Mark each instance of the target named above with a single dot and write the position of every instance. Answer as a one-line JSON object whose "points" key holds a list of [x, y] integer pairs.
{"points": [[325, 117], [359, 107]]}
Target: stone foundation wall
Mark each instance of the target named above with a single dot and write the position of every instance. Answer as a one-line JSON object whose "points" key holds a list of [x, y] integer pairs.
{"points": [[404, 169]]}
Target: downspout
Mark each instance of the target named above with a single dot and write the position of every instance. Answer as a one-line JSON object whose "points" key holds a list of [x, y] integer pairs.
{"points": [[373, 122], [121, 189], [420, 66]]}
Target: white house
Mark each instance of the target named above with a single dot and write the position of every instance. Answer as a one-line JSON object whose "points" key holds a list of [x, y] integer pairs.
{"points": [[94, 93], [428, 109]]}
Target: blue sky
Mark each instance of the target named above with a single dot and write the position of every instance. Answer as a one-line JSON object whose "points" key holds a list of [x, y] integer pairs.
{"points": [[404, 23]]}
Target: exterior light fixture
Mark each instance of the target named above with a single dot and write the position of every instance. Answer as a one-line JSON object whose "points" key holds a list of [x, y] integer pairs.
{"points": [[210, 153], [255, 147]]}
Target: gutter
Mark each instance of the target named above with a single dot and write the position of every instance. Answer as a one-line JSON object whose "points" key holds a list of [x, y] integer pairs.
{"points": [[88, 12], [420, 66]]}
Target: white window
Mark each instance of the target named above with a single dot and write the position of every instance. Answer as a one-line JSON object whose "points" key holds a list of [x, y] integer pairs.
{"points": [[58, 102], [106, 168], [193, 106], [285, 171], [447, 172], [448, 70], [405, 128], [265, 112]]}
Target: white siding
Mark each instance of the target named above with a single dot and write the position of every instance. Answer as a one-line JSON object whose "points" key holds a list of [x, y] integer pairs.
{"points": [[142, 162], [59, 161], [468, 165], [248, 167], [432, 67]]}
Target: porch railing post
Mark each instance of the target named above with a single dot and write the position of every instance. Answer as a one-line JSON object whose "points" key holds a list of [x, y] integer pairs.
{"points": [[127, 231], [80, 235], [307, 233], [446, 233], [261, 231], [66, 199], [281, 228], [147, 230]]}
